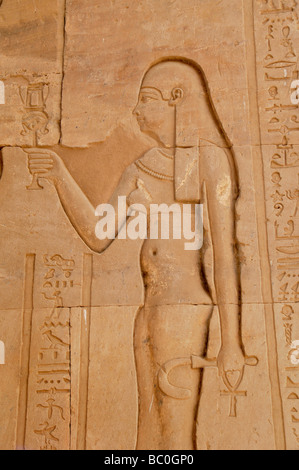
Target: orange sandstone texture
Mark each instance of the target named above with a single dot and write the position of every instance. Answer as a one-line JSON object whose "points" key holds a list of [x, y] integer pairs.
{"points": [[141, 344]]}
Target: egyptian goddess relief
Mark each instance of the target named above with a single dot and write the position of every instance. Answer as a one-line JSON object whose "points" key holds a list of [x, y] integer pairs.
{"points": [[191, 162]]}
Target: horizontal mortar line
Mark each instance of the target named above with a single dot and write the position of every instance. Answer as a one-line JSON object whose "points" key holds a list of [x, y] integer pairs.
{"points": [[186, 304], [47, 147], [142, 305]]}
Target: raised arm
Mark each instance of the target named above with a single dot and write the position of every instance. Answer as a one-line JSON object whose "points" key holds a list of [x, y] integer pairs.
{"points": [[218, 178], [76, 205]]}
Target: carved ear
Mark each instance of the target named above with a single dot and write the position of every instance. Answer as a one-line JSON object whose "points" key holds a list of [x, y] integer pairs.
{"points": [[177, 95]]}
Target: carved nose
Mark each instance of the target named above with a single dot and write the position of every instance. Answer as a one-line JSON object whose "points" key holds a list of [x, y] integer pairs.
{"points": [[136, 111]]}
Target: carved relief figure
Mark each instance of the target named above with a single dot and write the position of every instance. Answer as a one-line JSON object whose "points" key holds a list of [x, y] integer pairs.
{"points": [[191, 162]]}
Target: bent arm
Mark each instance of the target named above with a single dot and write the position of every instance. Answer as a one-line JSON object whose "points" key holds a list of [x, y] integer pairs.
{"points": [[81, 212], [221, 208]]}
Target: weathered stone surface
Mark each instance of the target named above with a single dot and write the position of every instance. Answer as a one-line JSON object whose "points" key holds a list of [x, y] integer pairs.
{"points": [[10, 321], [148, 31], [31, 53], [141, 343]]}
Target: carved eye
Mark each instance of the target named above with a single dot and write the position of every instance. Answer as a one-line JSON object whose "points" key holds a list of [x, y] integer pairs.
{"points": [[146, 99]]}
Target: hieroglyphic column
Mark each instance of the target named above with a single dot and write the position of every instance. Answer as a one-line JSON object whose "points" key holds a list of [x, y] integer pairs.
{"points": [[276, 26], [47, 414], [49, 383]]}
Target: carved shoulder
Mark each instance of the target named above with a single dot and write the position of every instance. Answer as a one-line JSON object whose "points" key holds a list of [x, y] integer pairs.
{"points": [[126, 183], [129, 175]]}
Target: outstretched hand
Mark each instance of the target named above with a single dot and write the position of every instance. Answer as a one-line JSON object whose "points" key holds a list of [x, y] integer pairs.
{"points": [[45, 163]]}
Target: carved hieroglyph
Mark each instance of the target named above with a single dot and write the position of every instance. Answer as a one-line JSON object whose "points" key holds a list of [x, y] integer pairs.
{"points": [[276, 26], [142, 344], [31, 61]]}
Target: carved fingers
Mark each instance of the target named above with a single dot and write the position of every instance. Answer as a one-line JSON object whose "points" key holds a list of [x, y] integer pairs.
{"points": [[44, 163], [39, 164]]}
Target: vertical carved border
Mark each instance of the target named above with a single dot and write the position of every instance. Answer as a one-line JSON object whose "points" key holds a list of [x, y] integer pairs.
{"points": [[84, 355], [260, 191], [25, 349], [276, 30]]}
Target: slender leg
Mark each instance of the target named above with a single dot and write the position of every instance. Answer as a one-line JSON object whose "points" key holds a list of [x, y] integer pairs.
{"points": [[163, 333], [149, 423]]}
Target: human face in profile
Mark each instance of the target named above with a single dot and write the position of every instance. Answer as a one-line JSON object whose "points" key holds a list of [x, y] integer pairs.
{"points": [[156, 116]]}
